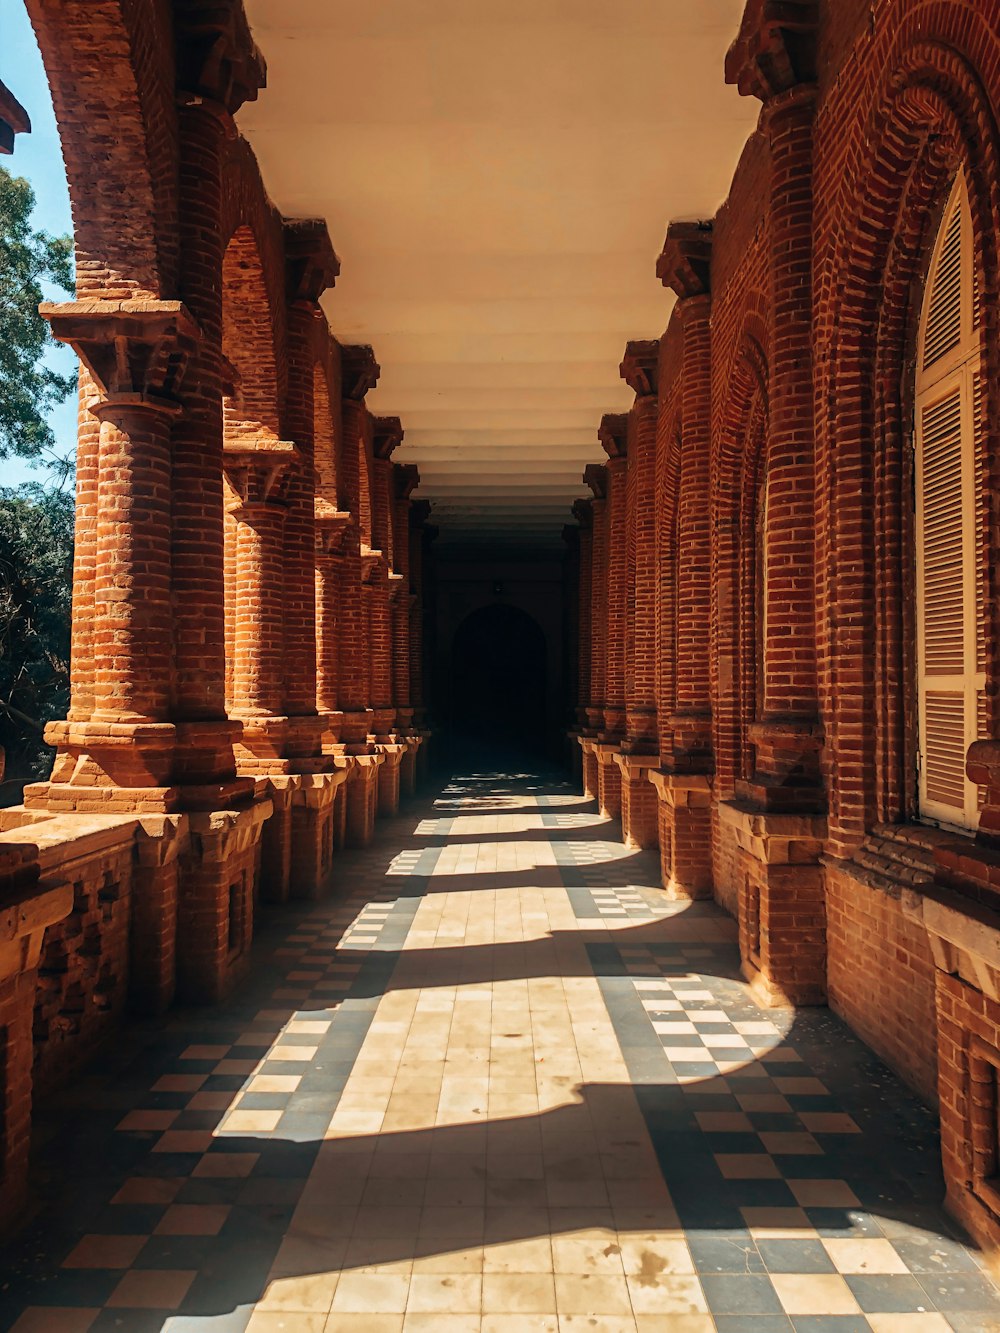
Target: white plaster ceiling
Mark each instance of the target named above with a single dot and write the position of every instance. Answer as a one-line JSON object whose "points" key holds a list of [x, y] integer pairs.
{"points": [[497, 176]]}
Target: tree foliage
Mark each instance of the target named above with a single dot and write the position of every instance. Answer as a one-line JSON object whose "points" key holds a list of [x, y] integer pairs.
{"points": [[36, 577], [29, 387]]}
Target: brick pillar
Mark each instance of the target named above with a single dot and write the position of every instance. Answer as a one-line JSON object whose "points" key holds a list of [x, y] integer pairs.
{"points": [[387, 435], [596, 477], [614, 439], [404, 479], [777, 817], [583, 510], [640, 749], [127, 742], [421, 535], [683, 783], [359, 374], [571, 643]]}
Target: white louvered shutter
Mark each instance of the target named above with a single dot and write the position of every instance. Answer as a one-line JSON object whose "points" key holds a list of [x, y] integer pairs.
{"points": [[949, 529]]}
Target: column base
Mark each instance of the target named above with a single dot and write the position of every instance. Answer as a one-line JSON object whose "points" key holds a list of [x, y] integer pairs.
{"points": [[215, 910], [361, 798], [684, 818], [273, 881], [408, 768], [314, 833], [781, 909], [639, 814], [609, 784], [387, 800], [591, 781]]}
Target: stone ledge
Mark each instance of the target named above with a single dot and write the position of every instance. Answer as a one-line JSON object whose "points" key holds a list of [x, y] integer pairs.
{"points": [[964, 936]]}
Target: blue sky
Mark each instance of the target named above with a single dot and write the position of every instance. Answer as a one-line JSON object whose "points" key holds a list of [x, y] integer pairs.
{"points": [[37, 157]]}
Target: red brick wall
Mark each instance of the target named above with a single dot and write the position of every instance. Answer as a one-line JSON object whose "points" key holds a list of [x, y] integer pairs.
{"points": [[880, 977]]}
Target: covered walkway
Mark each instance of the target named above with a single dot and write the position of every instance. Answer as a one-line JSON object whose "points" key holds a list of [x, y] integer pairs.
{"points": [[502, 1086]]}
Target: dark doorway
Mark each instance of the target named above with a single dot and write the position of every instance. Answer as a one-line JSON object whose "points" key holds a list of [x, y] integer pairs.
{"points": [[498, 681]]}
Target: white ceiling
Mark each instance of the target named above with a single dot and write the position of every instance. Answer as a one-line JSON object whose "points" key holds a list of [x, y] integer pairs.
{"points": [[497, 176]]}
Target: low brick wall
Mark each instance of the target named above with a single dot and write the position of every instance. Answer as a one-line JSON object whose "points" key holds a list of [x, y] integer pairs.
{"points": [[880, 977]]}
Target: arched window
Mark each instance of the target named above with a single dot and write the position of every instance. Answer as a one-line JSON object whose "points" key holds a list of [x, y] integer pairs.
{"points": [[949, 503]]}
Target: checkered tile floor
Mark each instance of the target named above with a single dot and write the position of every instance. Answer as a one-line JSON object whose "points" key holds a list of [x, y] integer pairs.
{"points": [[498, 1085]]}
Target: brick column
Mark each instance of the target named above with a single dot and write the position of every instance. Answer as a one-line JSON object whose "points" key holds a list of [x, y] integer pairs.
{"points": [[614, 439], [218, 69], [683, 782], [596, 477], [421, 535], [583, 512], [640, 749], [122, 756], [359, 373], [387, 435], [311, 268], [405, 478], [777, 818]]}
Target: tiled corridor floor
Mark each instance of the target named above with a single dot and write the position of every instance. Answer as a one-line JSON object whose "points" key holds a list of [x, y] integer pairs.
{"points": [[497, 1086]]}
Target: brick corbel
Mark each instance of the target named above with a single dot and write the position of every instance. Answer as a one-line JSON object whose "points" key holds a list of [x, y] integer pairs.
{"points": [[406, 479], [136, 351], [218, 61], [685, 262], [583, 512], [13, 119], [775, 49], [311, 263], [387, 436], [613, 435], [331, 526], [595, 476], [639, 367], [359, 372], [260, 470]]}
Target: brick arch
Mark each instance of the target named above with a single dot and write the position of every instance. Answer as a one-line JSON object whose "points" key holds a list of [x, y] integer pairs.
{"points": [[248, 338], [251, 221], [738, 462], [930, 118], [668, 482], [112, 92], [326, 443]]}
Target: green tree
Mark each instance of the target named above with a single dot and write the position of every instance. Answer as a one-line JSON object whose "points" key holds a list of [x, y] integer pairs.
{"points": [[29, 387], [36, 521], [36, 579]]}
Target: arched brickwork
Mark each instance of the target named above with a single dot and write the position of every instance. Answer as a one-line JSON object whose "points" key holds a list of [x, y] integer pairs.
{"points": [[928, 118], [108, 67], [737, 466], [668, 479]]}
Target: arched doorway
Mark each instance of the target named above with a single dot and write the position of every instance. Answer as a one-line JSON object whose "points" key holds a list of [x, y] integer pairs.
{"points": [[498, 681]]}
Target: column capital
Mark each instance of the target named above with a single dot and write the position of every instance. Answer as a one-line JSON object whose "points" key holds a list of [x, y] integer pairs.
{"points": [[640, 366], [420, 512], [259, 470], [583, 512], [217, 58], [311, 263], [685, 261], [595, 475], [613, 435], [775, 49], [387, 436], [13, 119], [359, 371], [136, 351], [331, 526], [406, 479]]}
